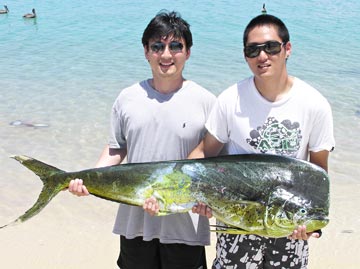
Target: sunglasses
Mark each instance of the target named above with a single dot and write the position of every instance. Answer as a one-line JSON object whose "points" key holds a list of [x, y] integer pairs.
{"points": [[174, 46], [270, 47]]}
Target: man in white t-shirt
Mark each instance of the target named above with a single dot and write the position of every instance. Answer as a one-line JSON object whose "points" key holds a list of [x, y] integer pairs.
{"points": [[270, 112]]}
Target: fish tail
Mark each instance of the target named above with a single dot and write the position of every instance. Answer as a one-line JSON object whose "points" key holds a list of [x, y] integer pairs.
{"points": [[50, 189], [41, 169]]}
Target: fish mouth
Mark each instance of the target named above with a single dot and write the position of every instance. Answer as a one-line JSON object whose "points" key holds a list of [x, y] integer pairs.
{"points": [[316, 224], [322, 218], [319, 218]]}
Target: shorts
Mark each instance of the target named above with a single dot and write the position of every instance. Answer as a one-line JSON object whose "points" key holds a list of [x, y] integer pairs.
{"points": [[139, 254], [255, 252]]}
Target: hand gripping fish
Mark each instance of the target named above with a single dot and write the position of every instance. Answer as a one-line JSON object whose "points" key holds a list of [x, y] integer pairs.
{"points": [[260, 194]]}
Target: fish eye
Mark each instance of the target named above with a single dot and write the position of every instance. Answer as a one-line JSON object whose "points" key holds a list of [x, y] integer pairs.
{"points": [[302, 211]]}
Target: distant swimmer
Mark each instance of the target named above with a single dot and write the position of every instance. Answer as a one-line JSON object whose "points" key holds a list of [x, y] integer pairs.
{"points": [[30, 15], [263, 10], [4, 11]]}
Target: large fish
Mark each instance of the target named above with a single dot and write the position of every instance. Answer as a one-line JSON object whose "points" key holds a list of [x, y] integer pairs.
{"points": [[260, 194]]}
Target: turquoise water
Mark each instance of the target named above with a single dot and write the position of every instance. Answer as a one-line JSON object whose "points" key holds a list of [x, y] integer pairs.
{"points": [[65, 69]]}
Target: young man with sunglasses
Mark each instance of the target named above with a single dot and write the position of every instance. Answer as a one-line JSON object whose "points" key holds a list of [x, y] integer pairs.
{"points": [[158, 119], [271, 113]]}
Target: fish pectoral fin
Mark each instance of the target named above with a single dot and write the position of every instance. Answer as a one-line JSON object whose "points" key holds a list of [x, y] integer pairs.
{"points": [[159, 198], [228, 230]]}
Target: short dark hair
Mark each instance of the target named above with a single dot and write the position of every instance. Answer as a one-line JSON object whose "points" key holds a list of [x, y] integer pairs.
{"points": [[165, 24], [266, 19]]}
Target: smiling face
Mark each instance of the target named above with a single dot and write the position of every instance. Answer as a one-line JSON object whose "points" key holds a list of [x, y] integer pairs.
{"points": [[266, 65], [168, 62]]}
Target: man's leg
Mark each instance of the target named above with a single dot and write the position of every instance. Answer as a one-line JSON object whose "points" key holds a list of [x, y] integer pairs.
{"points": [[286, 253], [139, 254], [181, 256], [239, 251]]}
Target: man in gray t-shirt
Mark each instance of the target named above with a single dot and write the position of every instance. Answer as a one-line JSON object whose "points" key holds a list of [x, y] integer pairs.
{"points": [[161, 118]]}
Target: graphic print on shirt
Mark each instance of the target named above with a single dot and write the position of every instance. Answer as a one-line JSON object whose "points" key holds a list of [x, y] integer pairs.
{"points": [[276, 137]]}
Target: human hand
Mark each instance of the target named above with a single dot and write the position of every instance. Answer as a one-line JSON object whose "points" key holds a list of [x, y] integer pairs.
{"points": [[202, 209], [77, 187], [151, 206], [301, 234]]}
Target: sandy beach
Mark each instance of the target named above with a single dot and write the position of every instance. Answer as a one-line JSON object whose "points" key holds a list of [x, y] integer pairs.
{"points": [[75, 233]]}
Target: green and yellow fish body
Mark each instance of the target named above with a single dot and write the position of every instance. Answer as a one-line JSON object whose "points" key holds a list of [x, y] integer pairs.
{"points": [[260, 194]]}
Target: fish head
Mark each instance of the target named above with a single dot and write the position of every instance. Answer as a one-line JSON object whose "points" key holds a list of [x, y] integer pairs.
{"points": [[286, 211]]}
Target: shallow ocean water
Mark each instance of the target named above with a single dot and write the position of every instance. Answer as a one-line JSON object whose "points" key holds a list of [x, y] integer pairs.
{"points": [[65, 69]]}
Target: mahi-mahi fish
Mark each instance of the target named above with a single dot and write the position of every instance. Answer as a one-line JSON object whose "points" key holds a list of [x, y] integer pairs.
{"points": [[260, 194]]}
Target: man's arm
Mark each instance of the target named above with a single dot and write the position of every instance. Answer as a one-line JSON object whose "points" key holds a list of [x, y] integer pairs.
{"points": [[320, 158], [111, 157], [108, 157], [208, 147]]}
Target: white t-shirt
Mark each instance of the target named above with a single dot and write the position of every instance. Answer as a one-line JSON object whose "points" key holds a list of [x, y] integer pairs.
{"points": [[298, 123], [159, 127]]}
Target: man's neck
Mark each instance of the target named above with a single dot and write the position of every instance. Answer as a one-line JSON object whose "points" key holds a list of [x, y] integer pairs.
{"points": [[166, 86], [274, 89]]}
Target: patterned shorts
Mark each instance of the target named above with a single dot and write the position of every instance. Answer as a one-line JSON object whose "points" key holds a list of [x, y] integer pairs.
{"points": [[255, 252]]}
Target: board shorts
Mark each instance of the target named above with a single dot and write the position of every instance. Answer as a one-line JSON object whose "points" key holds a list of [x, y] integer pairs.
{"points": [[234, 251], [139, 254]]}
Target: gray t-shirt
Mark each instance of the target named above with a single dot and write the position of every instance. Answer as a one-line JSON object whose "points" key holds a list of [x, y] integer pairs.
{"points": [[158, 127]]}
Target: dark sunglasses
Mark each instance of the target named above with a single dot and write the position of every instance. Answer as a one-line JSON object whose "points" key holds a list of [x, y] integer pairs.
{"points": [[174, 46], [270, 47]]}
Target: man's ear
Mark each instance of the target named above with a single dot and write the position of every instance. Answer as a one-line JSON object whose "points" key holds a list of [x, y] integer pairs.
{"points": [[288, 49], [188, 53]]}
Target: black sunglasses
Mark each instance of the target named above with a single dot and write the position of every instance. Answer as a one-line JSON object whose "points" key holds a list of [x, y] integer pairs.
{"points": [[174, 46], [270, 47]]}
